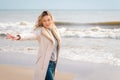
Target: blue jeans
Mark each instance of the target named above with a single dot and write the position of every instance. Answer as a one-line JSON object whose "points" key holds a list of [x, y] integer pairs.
{"points": [[50, 71]]}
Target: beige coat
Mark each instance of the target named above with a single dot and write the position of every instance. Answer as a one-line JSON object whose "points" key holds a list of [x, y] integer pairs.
{"points": [[46, 44]]}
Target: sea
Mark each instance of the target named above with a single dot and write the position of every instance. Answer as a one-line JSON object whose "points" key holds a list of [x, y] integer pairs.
{"points": [[87, 35]]}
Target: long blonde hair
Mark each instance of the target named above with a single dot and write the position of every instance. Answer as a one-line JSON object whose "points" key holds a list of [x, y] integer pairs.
{"points": [[40, 24], [39, 21]]}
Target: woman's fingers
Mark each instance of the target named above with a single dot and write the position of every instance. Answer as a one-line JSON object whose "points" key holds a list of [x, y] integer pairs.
{"points": [[9, 36]]}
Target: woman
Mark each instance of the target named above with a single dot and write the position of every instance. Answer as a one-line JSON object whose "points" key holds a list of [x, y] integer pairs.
{"points": [[46, 34]]}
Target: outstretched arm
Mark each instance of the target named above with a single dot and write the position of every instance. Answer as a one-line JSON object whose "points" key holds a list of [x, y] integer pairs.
{"points": [[12, 37], [23, 36], [26, 36]]}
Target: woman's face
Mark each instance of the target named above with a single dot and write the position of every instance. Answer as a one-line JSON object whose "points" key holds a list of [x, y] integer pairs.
{"points": [[47, 21]]}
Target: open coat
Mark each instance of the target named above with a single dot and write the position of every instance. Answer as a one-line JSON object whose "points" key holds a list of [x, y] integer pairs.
{"points": [[46, 44]]}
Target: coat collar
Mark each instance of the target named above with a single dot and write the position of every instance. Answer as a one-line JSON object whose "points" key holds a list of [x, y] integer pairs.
{"points": [[56, 34], [47, 34]]}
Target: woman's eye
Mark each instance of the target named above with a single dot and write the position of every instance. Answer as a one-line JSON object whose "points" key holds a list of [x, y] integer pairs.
{"points": [[48, 19], [44, 21]]}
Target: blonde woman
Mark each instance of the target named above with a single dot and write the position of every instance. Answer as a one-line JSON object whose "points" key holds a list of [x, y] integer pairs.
{"points": [[45, 32]]}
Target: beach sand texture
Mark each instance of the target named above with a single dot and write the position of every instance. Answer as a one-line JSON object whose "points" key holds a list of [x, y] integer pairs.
{"points": [[8, 72]]}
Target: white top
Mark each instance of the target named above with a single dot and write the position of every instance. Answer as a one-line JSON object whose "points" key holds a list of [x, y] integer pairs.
{"points": [[54, 53]]}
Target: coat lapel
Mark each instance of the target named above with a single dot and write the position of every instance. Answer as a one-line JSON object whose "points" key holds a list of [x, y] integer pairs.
{"points": [[56, 35], [46, 33]]}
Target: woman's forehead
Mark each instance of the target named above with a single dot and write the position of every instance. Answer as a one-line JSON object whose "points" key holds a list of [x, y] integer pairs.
{"points": [[46, 17]]}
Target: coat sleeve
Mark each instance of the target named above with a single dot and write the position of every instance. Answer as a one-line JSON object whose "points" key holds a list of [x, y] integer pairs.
{"points": [[30, 36]]}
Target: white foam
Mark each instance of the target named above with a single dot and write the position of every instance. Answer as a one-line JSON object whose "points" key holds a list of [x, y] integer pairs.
{"points": [[17, 27], [90, 55], [20, 49], [93, 32]]}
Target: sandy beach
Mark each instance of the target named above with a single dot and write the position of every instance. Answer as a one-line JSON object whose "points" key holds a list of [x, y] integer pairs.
{"points": [[66, 69], [8, 72]]}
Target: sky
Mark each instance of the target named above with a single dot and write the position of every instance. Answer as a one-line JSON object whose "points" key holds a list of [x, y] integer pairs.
{"points": [[60, 4]]}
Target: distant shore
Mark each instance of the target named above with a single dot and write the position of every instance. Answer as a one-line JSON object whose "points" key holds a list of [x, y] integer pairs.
{"points": [[91, 23]]}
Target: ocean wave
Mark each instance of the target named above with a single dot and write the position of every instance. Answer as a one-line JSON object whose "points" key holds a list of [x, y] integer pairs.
{"points": [[4, 25], [2, 34], [16, 24], [93, 32], [90, 55], [23, 49], [15, 27]]}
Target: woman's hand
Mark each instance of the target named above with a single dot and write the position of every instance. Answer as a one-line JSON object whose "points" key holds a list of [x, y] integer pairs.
{"points": [[9, 36]]}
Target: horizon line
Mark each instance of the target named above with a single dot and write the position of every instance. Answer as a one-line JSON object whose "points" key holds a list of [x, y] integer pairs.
{"points": [[59, 9]]}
